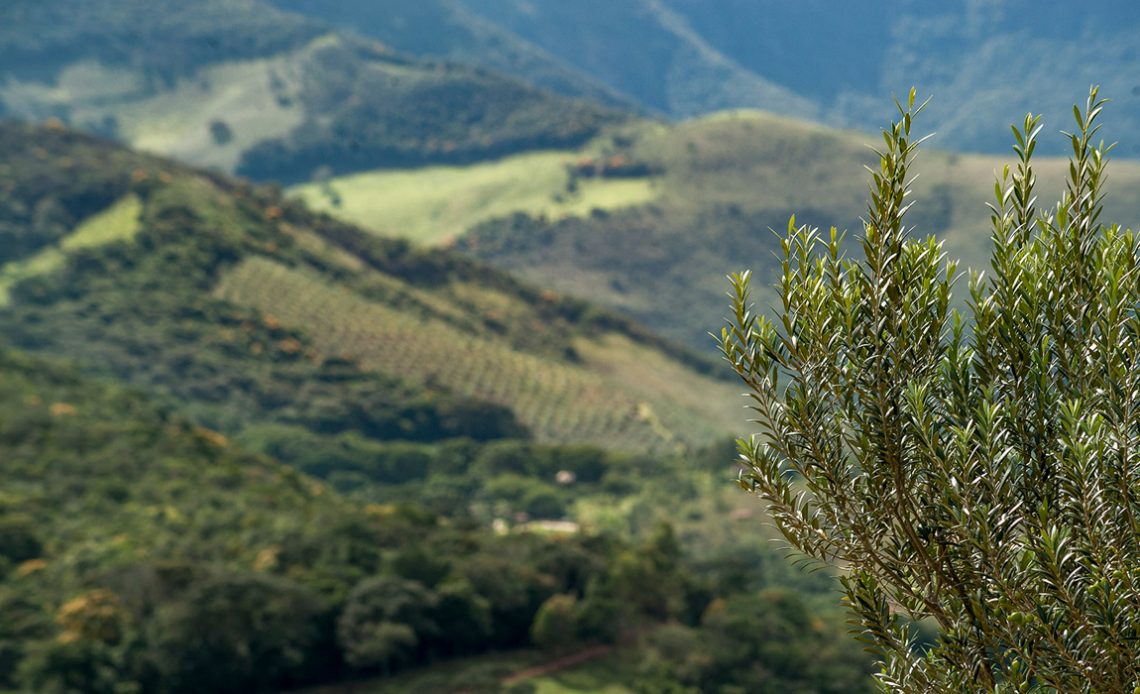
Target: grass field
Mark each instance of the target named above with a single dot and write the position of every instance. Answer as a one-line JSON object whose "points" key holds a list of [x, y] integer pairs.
{"points": [[438, 203], [238, 93], [118, 223]]}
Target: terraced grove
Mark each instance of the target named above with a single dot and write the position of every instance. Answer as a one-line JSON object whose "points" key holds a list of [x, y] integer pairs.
{"points": [[560, 402]]}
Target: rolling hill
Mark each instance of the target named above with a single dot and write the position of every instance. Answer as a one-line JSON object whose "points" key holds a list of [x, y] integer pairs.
{"points": [[657, 245], [987, 63], [445, 29], [244, 87], [249, 297]]}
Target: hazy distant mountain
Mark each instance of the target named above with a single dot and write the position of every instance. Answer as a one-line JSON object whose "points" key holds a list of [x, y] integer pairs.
{"points": [[446, 29], [985, 62], [242, 86]]}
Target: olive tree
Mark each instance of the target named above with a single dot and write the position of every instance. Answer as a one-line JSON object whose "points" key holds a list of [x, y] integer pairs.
{"points": [[978, 469]]}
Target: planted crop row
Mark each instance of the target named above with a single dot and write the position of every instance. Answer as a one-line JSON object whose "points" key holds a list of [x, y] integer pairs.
{"points": [[559, 402]]}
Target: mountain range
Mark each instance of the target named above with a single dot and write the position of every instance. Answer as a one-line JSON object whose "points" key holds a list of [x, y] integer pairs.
{"points": [[985, 63], [243, 87]]}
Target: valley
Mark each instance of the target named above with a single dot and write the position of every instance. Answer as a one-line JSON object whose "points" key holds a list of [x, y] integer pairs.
{"points": [[370, 346]]}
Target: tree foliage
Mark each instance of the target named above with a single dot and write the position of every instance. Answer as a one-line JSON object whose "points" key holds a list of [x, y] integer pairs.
{"points": [[976, 470]]}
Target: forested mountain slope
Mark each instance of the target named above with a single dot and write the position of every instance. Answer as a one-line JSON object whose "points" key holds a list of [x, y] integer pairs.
{"points": [[244, 87], [139, 552], [986, 63]]}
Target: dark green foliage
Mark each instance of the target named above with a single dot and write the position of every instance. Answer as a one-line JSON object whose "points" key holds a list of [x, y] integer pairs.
{"points": [[555, 625], [208, 567], [19, 540], [979, 475], [62, 440], [240, 633], [25, 622], [770, 641], [385, 621], [63, 667], [221, 132], [43, 197], [442, 113], [465, 616]]}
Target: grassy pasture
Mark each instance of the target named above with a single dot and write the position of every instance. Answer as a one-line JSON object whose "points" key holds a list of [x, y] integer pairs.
{"points": [[435, 204]]}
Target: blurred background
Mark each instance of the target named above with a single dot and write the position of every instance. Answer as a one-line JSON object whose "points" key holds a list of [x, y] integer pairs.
{"points": [[363, 345]]}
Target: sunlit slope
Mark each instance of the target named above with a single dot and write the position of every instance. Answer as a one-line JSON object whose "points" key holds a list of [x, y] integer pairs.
{"points": [[726, 180], [243, 307], [594, 399], [434, 204]]}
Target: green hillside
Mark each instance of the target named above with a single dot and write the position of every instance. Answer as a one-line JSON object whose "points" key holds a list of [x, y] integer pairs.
{"points": [[120, 222], [445, 29], [716, 185], [139, 552], [241, 86], [250, 297], [151, 540]]}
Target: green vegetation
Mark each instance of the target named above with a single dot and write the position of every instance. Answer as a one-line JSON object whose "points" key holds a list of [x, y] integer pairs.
{"points": [[236, 465], [977, 471], [139, 552], [557, 400], [260, 311], [434, 204], [289, 97], [719, 183], [725, 181], [445, 29], [118, 223]]}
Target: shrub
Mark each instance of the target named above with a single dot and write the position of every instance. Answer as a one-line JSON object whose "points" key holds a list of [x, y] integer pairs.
{"points": [[979, 475]]}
